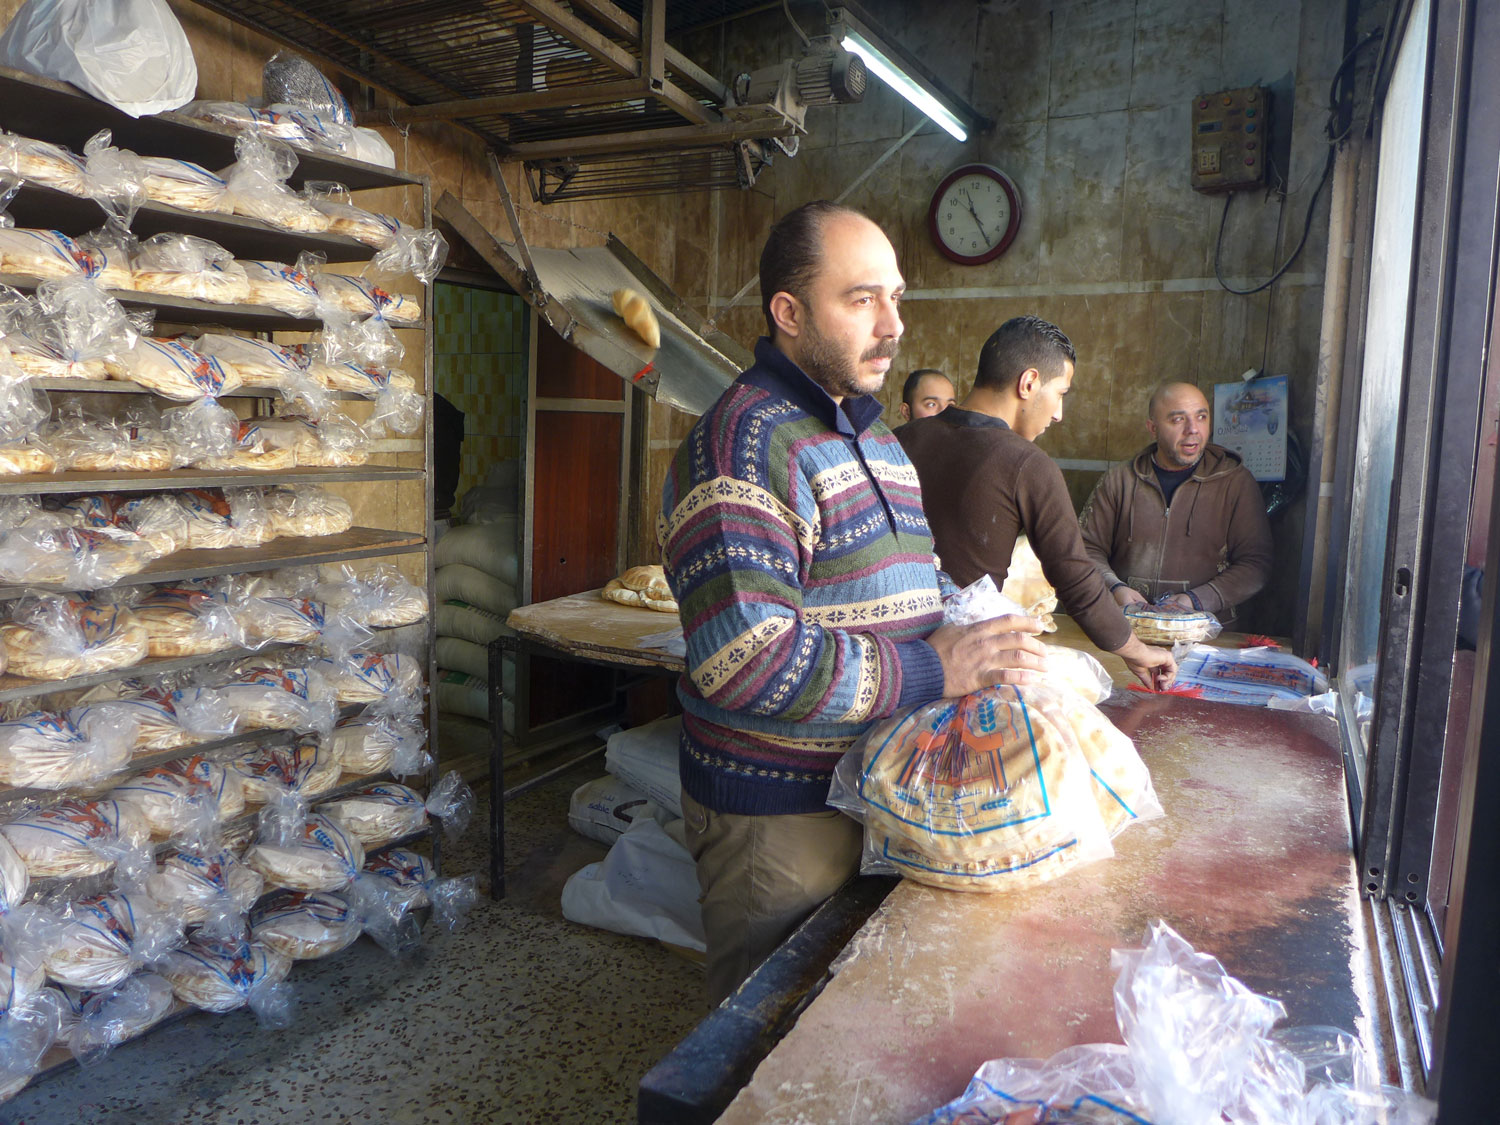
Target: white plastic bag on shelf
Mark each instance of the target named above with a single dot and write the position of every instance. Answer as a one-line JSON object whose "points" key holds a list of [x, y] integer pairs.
{"points": [[102, 939], [222, 974], [57, 636], [208, 887], [101, 1021], [77, 838], [646, 886], [257, 184], [184, 185], [242, 115], [308, 511], [47, 750], [184, 265], [132, 54], [304, 925]]}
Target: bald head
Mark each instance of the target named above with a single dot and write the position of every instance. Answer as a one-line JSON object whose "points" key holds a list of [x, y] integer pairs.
{"points": [[1180, 421]]}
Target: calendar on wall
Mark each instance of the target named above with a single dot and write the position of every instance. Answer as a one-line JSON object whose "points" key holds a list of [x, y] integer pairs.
{"points": [[1250, 418]]}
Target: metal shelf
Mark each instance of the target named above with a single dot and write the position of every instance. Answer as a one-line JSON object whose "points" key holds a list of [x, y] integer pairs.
{"points": [[356, 543], [187, 310], [122, 387], [39, 206], [49, 110], [38, 484]]}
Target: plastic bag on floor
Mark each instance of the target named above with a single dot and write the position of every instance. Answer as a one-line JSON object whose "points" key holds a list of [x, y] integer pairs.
{"points": [[132, 54], [1199, 1047], [647, 886]]}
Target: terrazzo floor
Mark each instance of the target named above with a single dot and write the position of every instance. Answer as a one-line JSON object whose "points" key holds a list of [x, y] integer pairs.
{"points": [[518, 1016]]}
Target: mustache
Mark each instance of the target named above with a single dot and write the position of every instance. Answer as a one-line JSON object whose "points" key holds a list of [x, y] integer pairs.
{"points": [[886, 349]]}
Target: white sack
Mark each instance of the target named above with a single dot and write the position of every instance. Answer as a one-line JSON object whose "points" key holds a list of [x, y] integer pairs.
{"points": [[646, 758], [647, 886]]}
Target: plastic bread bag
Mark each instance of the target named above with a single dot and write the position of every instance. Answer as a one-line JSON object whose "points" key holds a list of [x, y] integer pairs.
{"points": [[452, 802], [28, 1029], [258, 447], [223, 518], [200, 431], [173, 370], [410, 882], [371, 677], [396, 411], [380, 597], [247, 511], [157, 518], [323, 133], [42, 162], [77, 838], [419, 251], [1250, 676], [345, 218], [307, 511], [48, 750], [984, 793], [209, 887], [80, 558], [341, 442], [357, 338], [151, 724], [323, 857], [187, 621], [1171, 625], [980, 600], [15, 881], [81, 325], [257, 184], [186, 799], [18, 513], [378, 814], [223, 974], [102, 939], [242, 115], [22, 408], [115, 177], [102, 1020], [304, 925], [184, 265], [259, 363], [271, 698], [42, 254], [284, 288], [55, 636], [132, 443], [184, 185], [111, 252], [9, 185], [361, 297], [267, 620], [365, 744]]}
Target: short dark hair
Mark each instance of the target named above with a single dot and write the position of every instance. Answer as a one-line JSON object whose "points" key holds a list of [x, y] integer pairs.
{"points": [[793, 251], [909, 388], [1021, 343]]}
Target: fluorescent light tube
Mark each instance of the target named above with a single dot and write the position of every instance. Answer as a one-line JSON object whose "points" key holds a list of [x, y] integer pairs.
{"points": [[892, 75]]}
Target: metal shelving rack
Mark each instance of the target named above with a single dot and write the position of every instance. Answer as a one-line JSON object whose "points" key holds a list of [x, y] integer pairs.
{"points": [[53, 111]]}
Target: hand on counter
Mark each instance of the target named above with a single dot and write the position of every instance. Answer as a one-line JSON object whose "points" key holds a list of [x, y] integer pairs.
{"points": [[1003, 650], [1153, 666], [1125, 596], [1178, 601]]}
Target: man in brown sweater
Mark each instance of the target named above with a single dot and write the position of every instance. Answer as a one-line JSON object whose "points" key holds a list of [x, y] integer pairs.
{"points": [[1183, 521], [984, 482]]}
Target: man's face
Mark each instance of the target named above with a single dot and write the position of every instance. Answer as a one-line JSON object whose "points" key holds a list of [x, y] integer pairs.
{"points": [[934, 394], [1181, 425], [1045, 405], [849, 323]]}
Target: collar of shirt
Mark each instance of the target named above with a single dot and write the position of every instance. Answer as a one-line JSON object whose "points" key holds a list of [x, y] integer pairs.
{"points": [[774, 371], [958, 416]]}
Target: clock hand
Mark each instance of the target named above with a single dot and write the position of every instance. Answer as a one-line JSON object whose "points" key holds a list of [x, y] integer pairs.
{"points": [[978, 223]]}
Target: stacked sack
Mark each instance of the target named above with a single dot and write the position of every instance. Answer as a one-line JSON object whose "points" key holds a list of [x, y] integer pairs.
{"points": [[478, 572]]}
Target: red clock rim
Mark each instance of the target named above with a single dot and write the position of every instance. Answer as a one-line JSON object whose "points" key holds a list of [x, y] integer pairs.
{"points": [[1011, 228]]}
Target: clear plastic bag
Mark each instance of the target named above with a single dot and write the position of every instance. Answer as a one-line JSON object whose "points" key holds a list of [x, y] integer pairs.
{"points": [[22, 409], [257, 184], [28, 1029], [341, 441], [222, 974], [270, 698], [322, 857], [274, 620], [1199, 1047], [378, 814], [274, 775], [116, 178], [371, 677], [187, 799], [55, 636], [111, 251], [1171, 625], [47, 750], [242, 115], [361, 297], [134, 442], [200, 431], [103, 939], [76, 838], [207, 887], [41, 162], [304, 925], [80, 326], [363, 744], [259, 363], [184, 265], [103, 1020], [308, 511], [288, 77], [173, 370], [79, 558], [396, 411], [367, 342], [186, 621], [380, 597], [452, 802], [1250, 676], [1006, 787], [419, 251], [345, 218], [42, 254], [184, 185]]}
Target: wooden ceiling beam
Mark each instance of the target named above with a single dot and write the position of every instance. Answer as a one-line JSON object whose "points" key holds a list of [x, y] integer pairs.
{"points": [[562, 97], [623, 24], [646, 141]]}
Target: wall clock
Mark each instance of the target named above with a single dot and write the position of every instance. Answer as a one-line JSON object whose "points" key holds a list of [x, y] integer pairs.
{"points": [[974, 215]]}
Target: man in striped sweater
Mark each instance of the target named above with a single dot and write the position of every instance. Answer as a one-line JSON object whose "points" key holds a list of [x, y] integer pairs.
{"points": [[793, 538]]}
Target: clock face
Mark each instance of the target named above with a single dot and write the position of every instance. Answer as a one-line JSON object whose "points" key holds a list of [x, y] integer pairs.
{"points": [[975, 214]]}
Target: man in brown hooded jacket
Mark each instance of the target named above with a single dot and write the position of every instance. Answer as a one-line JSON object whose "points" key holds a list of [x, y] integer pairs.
{"points": [[1183, 521]]}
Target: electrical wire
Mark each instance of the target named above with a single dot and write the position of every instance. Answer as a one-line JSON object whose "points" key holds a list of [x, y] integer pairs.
{"points": [[797, 27], [1334, 139]]}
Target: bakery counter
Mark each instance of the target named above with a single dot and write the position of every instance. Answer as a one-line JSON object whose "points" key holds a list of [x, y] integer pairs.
{"points": [[1251, 863]]}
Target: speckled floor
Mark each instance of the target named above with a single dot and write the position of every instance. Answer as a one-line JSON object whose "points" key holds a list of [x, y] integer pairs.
{"points": [[519, 1016]]}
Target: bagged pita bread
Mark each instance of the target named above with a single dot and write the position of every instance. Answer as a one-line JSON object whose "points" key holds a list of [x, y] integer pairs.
{"points": [[308, 511], [644, 587], [130, 444], [198, 884], [173, 370], [184, 265], [258, 363], [269, 698], [365, 677], [151, 721], [405, 873], [183, 184], [270, 773], [25, 457], [76, 838], [302, 925], [222, 974], [185, 621], [157, 517], [47, 750], [362, 297], [378, 814], [281, 287], [102, 939], [100, 1020], [57, 637], [188, 797], [1167, 625], [279, 620], [322, 857], [43, 254], [43, 163]]}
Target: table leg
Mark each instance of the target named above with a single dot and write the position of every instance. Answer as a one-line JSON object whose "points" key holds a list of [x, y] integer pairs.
{"points": [[497, 768]]}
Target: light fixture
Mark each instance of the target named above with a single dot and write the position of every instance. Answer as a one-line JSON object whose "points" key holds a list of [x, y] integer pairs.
{"points": [[858, 39]]}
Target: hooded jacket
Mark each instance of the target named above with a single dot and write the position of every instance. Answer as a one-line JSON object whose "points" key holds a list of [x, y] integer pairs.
{"points": [[1213, 543]]}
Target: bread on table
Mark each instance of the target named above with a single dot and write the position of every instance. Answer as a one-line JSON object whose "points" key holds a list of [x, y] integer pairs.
{"points": [[642, 586]]}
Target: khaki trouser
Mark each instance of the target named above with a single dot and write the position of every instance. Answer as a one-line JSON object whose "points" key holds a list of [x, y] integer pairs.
{"points": [[760, 877]]}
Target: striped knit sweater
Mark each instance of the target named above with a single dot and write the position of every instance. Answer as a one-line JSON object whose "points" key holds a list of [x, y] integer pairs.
{"points": [[793, 537]]}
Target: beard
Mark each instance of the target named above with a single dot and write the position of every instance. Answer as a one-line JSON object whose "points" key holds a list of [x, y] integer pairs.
{"points": [[831, 368]]}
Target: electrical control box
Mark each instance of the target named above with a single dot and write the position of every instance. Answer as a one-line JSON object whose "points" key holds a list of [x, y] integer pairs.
{"points": [[1231, 130]]}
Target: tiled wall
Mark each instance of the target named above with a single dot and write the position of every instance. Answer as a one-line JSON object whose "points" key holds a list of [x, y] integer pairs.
{"points": [[479, 356]]}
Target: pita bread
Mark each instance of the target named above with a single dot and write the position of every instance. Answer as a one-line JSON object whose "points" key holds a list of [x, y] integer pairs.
{"points": [[1160, 626], [217, 975], [637, 313], [642, 586], [302, 926]]}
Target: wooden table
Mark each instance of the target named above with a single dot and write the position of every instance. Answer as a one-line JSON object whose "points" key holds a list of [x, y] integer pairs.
{"points": [[581, 627], [1251, 863]]}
